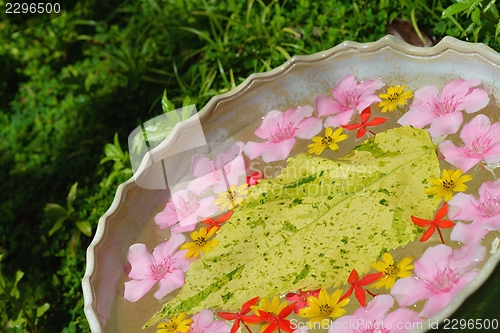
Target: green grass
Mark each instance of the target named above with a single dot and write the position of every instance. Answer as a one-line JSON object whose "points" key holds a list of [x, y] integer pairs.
{"points": [[67, 86]]}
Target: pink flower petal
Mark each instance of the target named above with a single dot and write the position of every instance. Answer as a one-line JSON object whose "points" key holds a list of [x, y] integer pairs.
{"points": [[458, 156], [435, 256], [492, 156], [400, 320], [408, 291], [436, 303], [135, 289], [201, 165], [466, 258], [278, 151], [309, 128], [377, 308], [341, 119], [479, 126], [344, 325], [325, 106], [447, 124], [255, 149], [165, 249], [198, 185], [471, 233], [181, 263], [463, 207], [475, 101], [269, 123], [296, 115], [140, 260], [167, 217], [169, 283], [366, 102]]}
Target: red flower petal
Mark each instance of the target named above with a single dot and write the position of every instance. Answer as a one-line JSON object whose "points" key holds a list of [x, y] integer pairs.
{"points": [[365, 115], [428, 233], [351, 127], [369, 278], [251, 319], [361, 132], [246, 307], [445, 224], [228, 315], [271, 327], [286, 311], [360, 295], [286, 326], [376, 121], [420, 222], [441, 212], [267, 316], [353, 277]]}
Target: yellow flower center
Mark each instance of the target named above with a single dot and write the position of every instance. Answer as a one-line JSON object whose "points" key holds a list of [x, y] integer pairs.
{"points": [[391, 270], [201, 241], [325, 310], [327, 140], [448, 184], [393, 97], [171, 326]]}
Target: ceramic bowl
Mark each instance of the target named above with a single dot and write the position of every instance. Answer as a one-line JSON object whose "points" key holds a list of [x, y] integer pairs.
{"points": [[233, 117]]}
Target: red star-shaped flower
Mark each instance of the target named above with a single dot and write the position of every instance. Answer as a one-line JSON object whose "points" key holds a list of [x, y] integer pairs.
{"points": [[357, 284], [242, 316], [364, 116], [434, 224], [216, 223], [278, 321]]}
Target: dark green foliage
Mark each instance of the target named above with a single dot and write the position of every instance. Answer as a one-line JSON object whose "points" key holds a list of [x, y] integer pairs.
{"points": [[67, 86]]}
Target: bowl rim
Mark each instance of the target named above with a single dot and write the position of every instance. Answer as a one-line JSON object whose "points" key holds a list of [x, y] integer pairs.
{"points": [[388, 41]]}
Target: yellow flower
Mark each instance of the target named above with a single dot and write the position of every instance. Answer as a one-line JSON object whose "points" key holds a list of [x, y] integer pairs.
{"points": [[391, 270], [232, 197], [274, 307], [395, 95], [175, 325], [324, 306], [330, 140], [201, 242], [450, 181]]}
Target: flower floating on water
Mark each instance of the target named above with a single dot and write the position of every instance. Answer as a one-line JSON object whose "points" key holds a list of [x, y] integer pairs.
{"points": [[242, 316], [375, 317], [274, 309], [254, 178], [175, 325], [481, 142], [483, 212], [281, 129], [278, 321], [391, 270], [450, 181], [439, 275], [357, 284], [227, 169], [201, 242], [300, 299], [203, 322], [164, 266], [185, 208], [216, 223], [434, 224], [443, 112], [365, 115], [233, 197], [329, 141], [395, 96], [324, 306], [348, 96]]}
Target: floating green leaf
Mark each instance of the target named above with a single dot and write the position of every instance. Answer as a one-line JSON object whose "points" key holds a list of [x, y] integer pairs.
{"points": [[309, 227]]}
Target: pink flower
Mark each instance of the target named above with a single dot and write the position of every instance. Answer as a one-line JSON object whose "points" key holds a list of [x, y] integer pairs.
{"points": [[376, 316], [226, 171], [481, 141], [443, 112], [348, 96], [280, 130], [300, 299], [203, 322], [440, 274], [483, 212], [184, 207], [164, 266]]}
